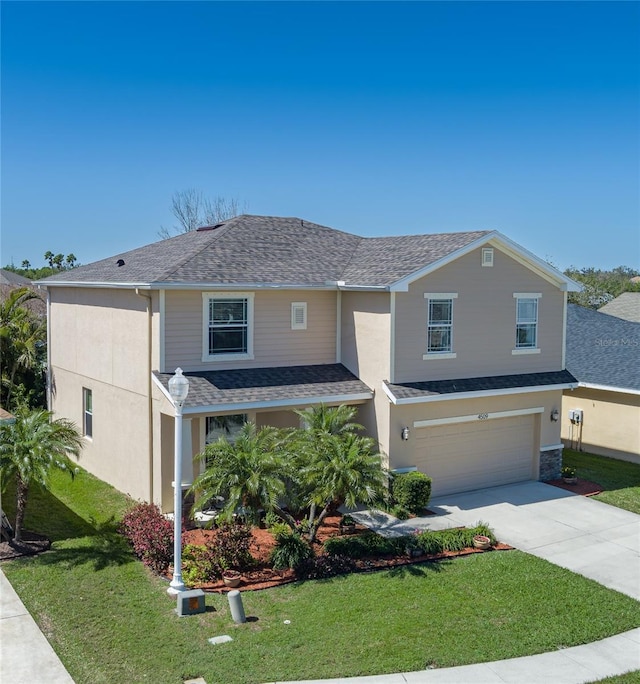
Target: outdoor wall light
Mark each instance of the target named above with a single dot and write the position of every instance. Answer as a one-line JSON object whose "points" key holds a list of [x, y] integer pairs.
{"points": [[405, 433], [554, 416]]}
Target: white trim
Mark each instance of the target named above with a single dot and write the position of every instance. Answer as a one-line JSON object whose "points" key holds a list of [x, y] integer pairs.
{"points": [[475, 395], [275, 403], [552, 447], [564, 329], [339, 326], [520, 296], [441, 295], [234, 356], [525, 350], [430, 356], [163, 319], [608, 388], [486, 260], [162, 388], [300, 306], [480, 417], [392, 340], [527, 295]]}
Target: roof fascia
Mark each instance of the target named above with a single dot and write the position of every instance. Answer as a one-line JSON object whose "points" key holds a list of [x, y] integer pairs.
{"points": [[608, 388], [531, 261], [476, 395], [402, 285], [276, 403], [98, 285], [241, 286]]}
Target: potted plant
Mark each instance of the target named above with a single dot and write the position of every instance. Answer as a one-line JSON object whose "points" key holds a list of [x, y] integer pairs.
{"points": [[347, 524], [231, 578], [569, 475], [481, 542]]}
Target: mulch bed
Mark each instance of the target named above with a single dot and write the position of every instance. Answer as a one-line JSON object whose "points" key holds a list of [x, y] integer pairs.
{"points": [[31, 544], [264, 577], [582, 487]]}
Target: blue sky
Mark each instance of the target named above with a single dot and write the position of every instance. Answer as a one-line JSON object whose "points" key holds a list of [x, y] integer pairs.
{"points": [[372, 117]]}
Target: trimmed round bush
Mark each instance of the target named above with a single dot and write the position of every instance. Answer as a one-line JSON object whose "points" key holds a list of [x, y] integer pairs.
{"points": [[412, 491]]}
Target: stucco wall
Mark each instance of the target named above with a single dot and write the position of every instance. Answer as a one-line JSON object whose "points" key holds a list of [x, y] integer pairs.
{"points": [[484, 321], [274, 342], [611, 423]]}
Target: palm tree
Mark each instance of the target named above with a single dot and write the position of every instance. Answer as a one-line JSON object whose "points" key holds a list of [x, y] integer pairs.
{"points": [[248, 473], [30, 448], [346, 470], [332, 420]]}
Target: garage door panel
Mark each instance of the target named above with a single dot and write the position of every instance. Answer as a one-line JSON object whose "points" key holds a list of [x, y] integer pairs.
{"points": [[463, 456]]}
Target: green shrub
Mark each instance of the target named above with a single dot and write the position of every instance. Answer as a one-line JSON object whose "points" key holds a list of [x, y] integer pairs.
{"points": [[455, 539], [291, 551], [231, 546], [430, 543], [199, 564], [400, 512], [321, 567], [364, 546], [412, 491]]}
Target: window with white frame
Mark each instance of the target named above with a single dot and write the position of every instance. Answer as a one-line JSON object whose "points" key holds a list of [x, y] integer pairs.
{"points": [[228, 325], [526, 321], [224, 426], [87, 412], [440, 323], [298, 315]]}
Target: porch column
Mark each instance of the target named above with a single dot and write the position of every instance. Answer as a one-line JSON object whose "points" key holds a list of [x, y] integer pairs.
{"points": [[187, 454]]}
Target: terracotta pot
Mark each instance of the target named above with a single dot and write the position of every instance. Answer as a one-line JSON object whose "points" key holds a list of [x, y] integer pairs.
{"points": [[232, 579], [481, 542]]}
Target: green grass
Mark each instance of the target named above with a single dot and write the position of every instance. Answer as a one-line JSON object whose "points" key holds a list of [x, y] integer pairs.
{"points": [[112, 621], [620, 479]]}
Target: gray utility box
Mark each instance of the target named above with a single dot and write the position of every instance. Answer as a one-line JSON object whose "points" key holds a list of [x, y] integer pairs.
{"points": [[190, 602]]}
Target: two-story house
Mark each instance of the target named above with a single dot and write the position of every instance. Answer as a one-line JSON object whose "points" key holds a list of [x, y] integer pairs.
{"points": [[451, 345]]}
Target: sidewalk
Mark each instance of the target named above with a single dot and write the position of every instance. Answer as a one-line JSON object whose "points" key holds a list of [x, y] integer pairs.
{"points": [[26, 657]]}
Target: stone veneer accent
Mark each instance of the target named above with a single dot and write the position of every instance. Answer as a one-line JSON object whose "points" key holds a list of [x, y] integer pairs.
{"points": [[550, 464]]}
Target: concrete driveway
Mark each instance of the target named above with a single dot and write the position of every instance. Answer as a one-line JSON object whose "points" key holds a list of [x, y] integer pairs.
{"points": [[581, 534]]}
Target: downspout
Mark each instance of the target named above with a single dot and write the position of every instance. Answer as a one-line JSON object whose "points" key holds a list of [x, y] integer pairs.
{"points": [[49, 372], [149, 385]]}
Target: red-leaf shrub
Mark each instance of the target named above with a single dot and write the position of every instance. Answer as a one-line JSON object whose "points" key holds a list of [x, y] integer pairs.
{"points": [[150, 534]]}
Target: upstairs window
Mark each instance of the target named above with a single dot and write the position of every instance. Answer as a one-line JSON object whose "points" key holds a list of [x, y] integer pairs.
{"points": [[87, 412], [440, 324], [526, 321], [228, 326]]}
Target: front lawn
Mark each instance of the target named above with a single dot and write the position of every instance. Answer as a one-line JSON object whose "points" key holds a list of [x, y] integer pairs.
{"points": [[111, 621], [620, 479]]}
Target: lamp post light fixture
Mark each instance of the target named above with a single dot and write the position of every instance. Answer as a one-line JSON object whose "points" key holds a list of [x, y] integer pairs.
{"points": [[555, 415], [405, 434], [178, 389]]}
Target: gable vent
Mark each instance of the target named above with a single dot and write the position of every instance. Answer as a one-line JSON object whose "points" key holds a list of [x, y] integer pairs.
{"points": [[487, 256], [298, 315]]}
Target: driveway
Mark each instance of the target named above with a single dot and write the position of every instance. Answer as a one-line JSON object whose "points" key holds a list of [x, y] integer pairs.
{"points": [[581, 534]]}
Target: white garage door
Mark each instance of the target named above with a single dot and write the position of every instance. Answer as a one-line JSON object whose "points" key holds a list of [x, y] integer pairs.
{"points": [[464, 456]]}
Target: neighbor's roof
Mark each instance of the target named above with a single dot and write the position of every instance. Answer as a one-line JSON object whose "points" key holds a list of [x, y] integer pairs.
{"points": [[13, 279], [261, 387], [266, 250], [603, 350], [626, 306]]}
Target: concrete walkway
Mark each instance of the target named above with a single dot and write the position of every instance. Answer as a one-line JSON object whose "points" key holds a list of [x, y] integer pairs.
{"points": [[586, 536]]}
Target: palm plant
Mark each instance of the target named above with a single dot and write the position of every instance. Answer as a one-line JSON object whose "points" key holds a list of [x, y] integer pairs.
{"points": [[30, 448], [248, 474]]}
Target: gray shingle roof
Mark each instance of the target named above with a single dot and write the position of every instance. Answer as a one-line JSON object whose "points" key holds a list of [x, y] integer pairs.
{"points": [[602, 349], [13, 279], [282, 384], [434, 388], [626, 306], [270, 250]]}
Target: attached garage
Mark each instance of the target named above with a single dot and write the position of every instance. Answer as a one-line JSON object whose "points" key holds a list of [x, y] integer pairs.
{"points": [[472, 452]]}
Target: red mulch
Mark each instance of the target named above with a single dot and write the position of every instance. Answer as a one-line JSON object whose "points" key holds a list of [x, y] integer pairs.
{"points": [[582, 487], [31, 544], [264, 577]]}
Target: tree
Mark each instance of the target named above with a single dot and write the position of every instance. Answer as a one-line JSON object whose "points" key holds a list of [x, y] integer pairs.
{"points": [[249, 473], [26, 264], [23, 337], [193, 210], [30, 448], [600, 287], [49, 257]]}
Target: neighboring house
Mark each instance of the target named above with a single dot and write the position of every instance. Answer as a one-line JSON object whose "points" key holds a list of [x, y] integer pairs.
{"points": [[626, 306], [11, 281], [603, 353], [451, 345]]}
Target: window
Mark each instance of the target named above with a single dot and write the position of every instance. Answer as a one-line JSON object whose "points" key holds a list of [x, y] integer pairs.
{"points": [[224, 426], [228, 326], [87, 412], [298, 315], [487, 256], [440, 325], [526, 322]]}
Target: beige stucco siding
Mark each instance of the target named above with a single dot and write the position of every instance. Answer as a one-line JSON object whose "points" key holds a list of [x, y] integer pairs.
{"points": [[365, 351], [484, 321], [407, 453], [274, 342], [611, 423]]}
